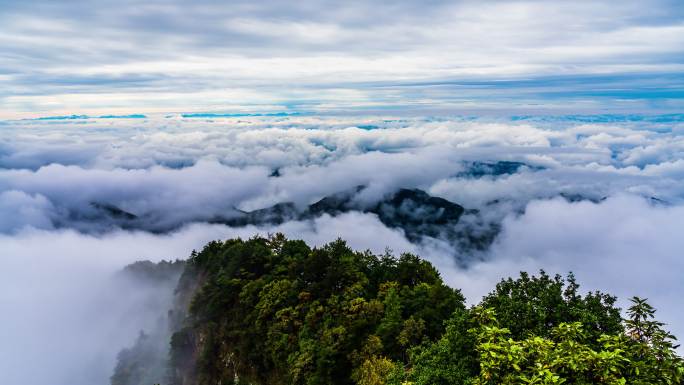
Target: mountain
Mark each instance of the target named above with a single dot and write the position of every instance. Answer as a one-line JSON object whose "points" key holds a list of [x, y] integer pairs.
{"points": [[242, 307], [479, 169], [415, 212], [412, 210], [273, 311], [145, 362]]}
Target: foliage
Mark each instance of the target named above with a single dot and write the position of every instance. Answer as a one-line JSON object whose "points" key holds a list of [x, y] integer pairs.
{"points": [[535, 305], [275, 311], [643, 356], [527, 306], [450, 360]]}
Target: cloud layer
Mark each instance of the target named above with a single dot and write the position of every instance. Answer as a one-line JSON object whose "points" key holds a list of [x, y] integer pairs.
{"points": [[599, 195], [175, 171]]}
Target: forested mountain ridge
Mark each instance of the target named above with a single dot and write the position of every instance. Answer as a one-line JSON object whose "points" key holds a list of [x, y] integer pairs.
{"points": [[415, 212], [275, 311]]}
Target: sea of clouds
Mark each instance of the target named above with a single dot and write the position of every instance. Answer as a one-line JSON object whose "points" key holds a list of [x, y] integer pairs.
{"points": [[603, 198]]}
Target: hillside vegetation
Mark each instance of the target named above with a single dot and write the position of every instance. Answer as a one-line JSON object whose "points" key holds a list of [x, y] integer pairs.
{"points": [[276, 311]]}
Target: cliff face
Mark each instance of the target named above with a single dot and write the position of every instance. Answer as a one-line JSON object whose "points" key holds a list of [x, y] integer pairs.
{"points": [[168, 353], [185, 340]]}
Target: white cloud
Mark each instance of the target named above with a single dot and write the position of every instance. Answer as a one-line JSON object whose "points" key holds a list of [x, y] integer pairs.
{"points": [[622, 246], [175, 171], [21, 210]]}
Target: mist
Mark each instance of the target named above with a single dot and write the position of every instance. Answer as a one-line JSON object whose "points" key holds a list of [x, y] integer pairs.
{"points": [[66, 312], [625, 246], [78, 202], [169, 172]]}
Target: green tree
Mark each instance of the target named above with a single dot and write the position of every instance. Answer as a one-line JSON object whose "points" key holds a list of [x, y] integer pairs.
{"points": [[651, 348], [534, 305], [645, 355], [451, 360], [274, 311]]}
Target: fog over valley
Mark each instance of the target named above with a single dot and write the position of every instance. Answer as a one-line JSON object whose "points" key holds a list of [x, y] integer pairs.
{"points": [[83, 198]]}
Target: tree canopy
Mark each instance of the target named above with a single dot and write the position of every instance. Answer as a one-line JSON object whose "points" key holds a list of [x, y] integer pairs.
{"points": [[276, 311]]}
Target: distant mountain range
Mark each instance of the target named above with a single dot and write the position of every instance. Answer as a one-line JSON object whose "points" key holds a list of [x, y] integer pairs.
{"points": [[414, 211]]}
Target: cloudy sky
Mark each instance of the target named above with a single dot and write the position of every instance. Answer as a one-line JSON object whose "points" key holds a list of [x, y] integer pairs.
{"points": [[180, 113], [131, 56]]}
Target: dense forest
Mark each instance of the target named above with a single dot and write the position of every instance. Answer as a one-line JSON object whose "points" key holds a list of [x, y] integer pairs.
{"points": [[276, 311]]}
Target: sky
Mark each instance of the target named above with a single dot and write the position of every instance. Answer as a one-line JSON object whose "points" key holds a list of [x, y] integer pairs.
{"points": [[130, 56], [180, 113]]}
